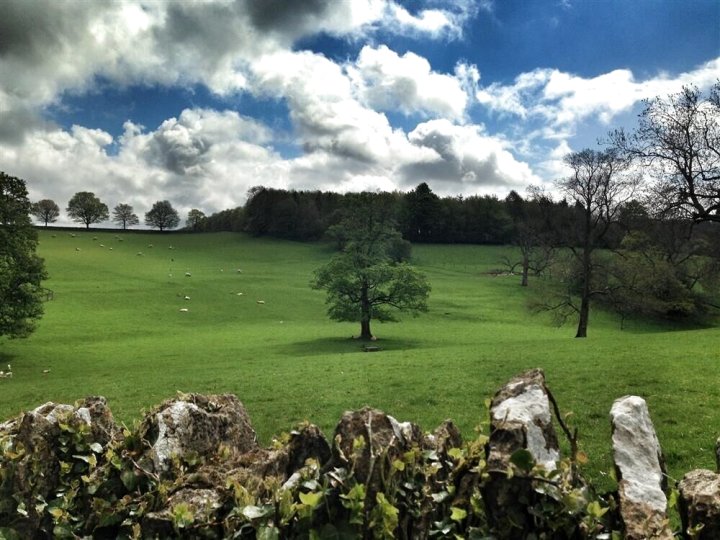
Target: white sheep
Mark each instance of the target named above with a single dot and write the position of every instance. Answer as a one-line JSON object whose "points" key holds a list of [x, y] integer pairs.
{"points": [[139, 253], [77, 249], [239, 294], [261, 302], [187, 298], [184, 310], [188, 274]]}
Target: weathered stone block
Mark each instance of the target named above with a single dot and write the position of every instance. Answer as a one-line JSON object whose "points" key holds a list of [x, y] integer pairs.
{"points": [[640, 470]]}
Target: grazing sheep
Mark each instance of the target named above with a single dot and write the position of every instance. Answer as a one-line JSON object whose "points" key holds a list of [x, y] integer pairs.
{"points": [[110, 249], [188, 274], [239, 270], [260, 301], [239, 294], [184, 310], [102, 245], [139, 253], [150, 245], [46, 371], [77, 249], [94, 237], [187, 298]]}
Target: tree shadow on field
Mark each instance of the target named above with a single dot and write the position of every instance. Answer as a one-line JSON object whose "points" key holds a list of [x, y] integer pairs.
{"points": [[339, 345]]}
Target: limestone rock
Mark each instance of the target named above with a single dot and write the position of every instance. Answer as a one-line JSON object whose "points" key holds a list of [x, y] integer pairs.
{"points": [[700, 503], [520, 419], [34, 437], [195, 424], [378, 435], [640, 470]]}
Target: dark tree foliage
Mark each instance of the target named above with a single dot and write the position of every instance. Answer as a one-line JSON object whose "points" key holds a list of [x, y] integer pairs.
{"points": [[678, 142], [232, 220], [534, 233], [420, 215], [124, 215], [46, 211], [21, 270], [195, 220], [162, 216], [85, 207], [362, 281]]}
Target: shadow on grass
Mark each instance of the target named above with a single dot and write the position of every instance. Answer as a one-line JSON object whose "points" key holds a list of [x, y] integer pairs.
{"points": [[336, 345]]}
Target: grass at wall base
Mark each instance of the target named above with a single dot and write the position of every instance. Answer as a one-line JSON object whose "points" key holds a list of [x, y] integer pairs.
{"points": [[116, 327]]}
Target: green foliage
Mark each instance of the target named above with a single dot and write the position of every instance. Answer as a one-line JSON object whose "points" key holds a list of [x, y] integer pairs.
{"points": [[124, 215], [84, 207], [46, 211], [422, 492], [162, 216], [363, 282], [195, 219], [21, 270]]}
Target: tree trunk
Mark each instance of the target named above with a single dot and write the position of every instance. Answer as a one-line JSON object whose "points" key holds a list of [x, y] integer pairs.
{"points": [[525, 269], [365, 329], [586, 277], [365, 313]]}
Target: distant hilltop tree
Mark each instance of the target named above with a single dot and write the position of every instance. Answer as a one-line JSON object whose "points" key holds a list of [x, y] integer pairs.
{"points": [[46, 211], [123, 215], [195, 219], [162, 216], [85, 207]]}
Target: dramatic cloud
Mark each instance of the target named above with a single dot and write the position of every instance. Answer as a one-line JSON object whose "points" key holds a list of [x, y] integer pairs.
{"points": [[469, 161], [371, 117]]}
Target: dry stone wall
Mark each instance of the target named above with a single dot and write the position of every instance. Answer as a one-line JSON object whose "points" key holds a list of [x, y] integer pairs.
{"points": [[192, 468]]}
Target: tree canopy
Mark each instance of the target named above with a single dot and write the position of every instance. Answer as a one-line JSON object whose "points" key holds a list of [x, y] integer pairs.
{"points": [[21, 270], [46, 211], [195, 219], [677, 142], [85, 207], [162, 216], [362, 281], [124, 215]]}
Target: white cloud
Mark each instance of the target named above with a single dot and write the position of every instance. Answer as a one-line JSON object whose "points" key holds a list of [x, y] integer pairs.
{"points": [[388, 81], [564, 100]]}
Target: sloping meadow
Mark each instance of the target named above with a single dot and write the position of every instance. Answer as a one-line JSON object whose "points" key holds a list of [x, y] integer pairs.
{"points": [[136, 317]]}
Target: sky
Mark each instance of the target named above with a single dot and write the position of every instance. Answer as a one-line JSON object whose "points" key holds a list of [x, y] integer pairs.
{"points": [[195, 102]]}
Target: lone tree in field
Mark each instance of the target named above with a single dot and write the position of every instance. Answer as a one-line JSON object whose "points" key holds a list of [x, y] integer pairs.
{"points": [[195, 219], [46, 211], [677, 141], [599, 188], [21, 270], [85, 207], [362, 281], [123, 215], [162, 216]]}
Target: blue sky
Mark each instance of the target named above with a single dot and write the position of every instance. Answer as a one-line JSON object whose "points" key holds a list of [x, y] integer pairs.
{"points": [[198, 102]]}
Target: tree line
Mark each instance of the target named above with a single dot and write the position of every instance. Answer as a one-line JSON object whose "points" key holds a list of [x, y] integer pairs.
{"points": [[86, 208]]}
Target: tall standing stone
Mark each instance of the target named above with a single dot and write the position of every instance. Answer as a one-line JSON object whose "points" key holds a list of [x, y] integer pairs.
{"points": [[640, 471]]}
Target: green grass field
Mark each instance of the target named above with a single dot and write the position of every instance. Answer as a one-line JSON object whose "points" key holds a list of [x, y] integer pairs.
{"points": [[114, 328]]}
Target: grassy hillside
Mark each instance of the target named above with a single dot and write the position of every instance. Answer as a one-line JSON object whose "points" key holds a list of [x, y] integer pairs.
{"points": [[115, 328]]}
